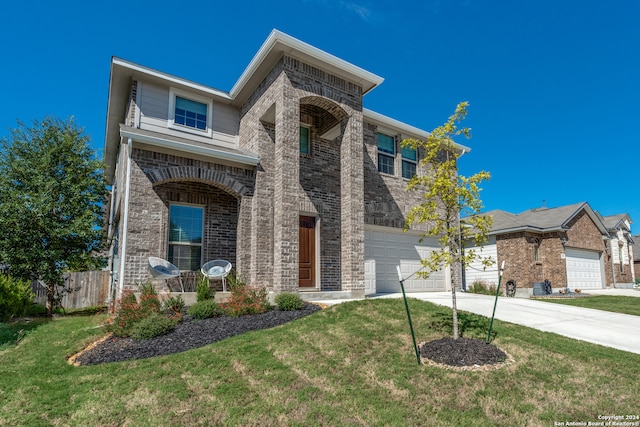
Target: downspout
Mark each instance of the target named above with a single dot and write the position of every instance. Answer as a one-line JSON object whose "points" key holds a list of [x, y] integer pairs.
{"points": [[125, 219], [110, 263]]}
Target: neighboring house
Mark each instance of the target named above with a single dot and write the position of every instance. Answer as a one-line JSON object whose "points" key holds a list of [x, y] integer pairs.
{"points": [[287, 176], [620, 248], [569, 246], [635, 248]]}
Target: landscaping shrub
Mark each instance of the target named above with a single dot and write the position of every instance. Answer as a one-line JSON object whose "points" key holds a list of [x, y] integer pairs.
{"points": [[479, 287], [203, 289], [149, 301], [129, 312], [174, 304], [204, 309], [245, 299], [288, 301], [127, 315], [152, 326], [15, 297]]}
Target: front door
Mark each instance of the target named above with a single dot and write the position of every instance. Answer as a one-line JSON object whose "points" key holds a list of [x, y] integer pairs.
{"points": [[307, 265]]}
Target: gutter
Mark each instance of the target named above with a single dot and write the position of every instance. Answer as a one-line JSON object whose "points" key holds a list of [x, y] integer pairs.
{"points": [[290, 44], [404, 128], [125, 220], [193, 149]]}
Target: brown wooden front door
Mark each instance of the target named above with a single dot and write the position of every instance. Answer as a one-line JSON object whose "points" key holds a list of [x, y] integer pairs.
{"points": [[307, 269]]}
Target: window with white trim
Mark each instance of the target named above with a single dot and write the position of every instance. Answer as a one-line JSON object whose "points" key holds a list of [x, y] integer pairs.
{"points": [[190, 113], [185, 236], [409, 162], [386, 153]]}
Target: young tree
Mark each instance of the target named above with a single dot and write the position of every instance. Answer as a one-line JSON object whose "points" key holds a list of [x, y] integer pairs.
{"points": [[51, 190], [446, 196]]}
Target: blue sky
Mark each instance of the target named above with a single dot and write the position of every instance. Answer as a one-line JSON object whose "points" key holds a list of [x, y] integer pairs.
{"points": [[553, 85]]}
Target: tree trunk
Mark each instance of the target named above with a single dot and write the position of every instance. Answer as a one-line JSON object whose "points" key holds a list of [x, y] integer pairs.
{"points": [[50, 300], [456, 334]]}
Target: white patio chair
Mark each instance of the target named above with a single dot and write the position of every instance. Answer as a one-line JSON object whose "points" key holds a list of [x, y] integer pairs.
{"points": [[217, 269], [163, 269]]}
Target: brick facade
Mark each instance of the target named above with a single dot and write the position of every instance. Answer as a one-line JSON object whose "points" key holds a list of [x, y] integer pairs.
{"points": [[157, 180], [252, 208], [326, 184], [518, 252]]}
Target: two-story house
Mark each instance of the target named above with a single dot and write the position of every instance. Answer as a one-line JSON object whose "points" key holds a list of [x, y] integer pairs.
{"points": [[286, 176], [620, 249]]}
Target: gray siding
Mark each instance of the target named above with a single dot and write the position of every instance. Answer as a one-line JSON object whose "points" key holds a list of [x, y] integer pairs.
{"points": [[153, 102]]}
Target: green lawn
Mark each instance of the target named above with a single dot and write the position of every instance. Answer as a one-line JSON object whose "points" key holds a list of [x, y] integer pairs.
{"points": [[616, 304], [352, 364]]}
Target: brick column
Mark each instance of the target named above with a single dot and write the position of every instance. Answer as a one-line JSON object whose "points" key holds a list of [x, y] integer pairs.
{"points": [[285, 189], [243, 239], [352, 204]]}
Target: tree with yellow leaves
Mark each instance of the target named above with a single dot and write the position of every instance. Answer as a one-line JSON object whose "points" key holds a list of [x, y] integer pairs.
{"points": [[446, 196]]}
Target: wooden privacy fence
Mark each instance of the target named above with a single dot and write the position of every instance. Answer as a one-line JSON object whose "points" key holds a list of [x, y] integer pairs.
{"points": [[88, 288]]}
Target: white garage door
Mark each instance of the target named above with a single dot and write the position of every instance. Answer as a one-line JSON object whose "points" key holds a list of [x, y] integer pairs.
{"points": [[583, 269], [384, 250]]}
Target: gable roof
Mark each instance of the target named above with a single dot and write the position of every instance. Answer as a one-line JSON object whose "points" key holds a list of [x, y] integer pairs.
{"points": [[276, 45], [615, 222], [279, 43], [542, 220]]}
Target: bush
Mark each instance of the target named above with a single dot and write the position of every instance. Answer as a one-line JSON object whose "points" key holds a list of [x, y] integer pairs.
{"points": [[152, 326], [15, 297], [479, 287], [127, 315], [149, 301], [174, 304], [288, 301], [203, 289], [204, 309], [245, 299]]}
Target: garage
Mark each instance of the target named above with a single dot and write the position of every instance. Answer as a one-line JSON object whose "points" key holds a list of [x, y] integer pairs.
{"points": [[386, 248], [584, 269]]}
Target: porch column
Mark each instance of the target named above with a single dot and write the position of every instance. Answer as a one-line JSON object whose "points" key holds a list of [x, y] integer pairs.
{"points": [[352, 204], [243, 237], [285, 189]]}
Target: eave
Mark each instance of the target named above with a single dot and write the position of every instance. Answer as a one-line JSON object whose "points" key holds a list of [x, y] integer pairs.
{"points": [[279, 44], [403, 128], [187, 146]]}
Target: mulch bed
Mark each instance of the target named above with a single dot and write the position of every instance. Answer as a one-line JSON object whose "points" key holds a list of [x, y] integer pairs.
{"points": [[188, 334], [462, 352]]}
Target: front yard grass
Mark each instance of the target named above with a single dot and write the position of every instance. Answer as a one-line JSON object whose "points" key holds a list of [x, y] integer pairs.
{"points": [[352, 364], [616, 304]]}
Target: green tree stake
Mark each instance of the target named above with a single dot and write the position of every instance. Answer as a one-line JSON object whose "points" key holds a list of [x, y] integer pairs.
{"points": [[495, 303], [406, 306]]}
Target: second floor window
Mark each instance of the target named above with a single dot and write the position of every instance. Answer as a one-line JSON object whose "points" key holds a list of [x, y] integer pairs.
{"points": [[185, 236], [386, 153], [305, 145], [409, 162], [190, 113]]}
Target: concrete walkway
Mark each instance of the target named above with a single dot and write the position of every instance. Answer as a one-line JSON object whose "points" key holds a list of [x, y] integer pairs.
{"points": [[621, 331]]}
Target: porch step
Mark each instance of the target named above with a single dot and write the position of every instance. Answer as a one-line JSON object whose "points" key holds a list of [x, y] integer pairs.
{"points": [[331, 295]]}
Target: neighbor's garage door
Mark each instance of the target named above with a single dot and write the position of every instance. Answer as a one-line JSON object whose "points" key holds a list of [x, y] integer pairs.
{"points": [[583, 269], [384, 250]]}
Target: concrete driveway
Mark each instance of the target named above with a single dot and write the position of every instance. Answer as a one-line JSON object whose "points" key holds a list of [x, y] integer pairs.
{"points": [[621, 331]]}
